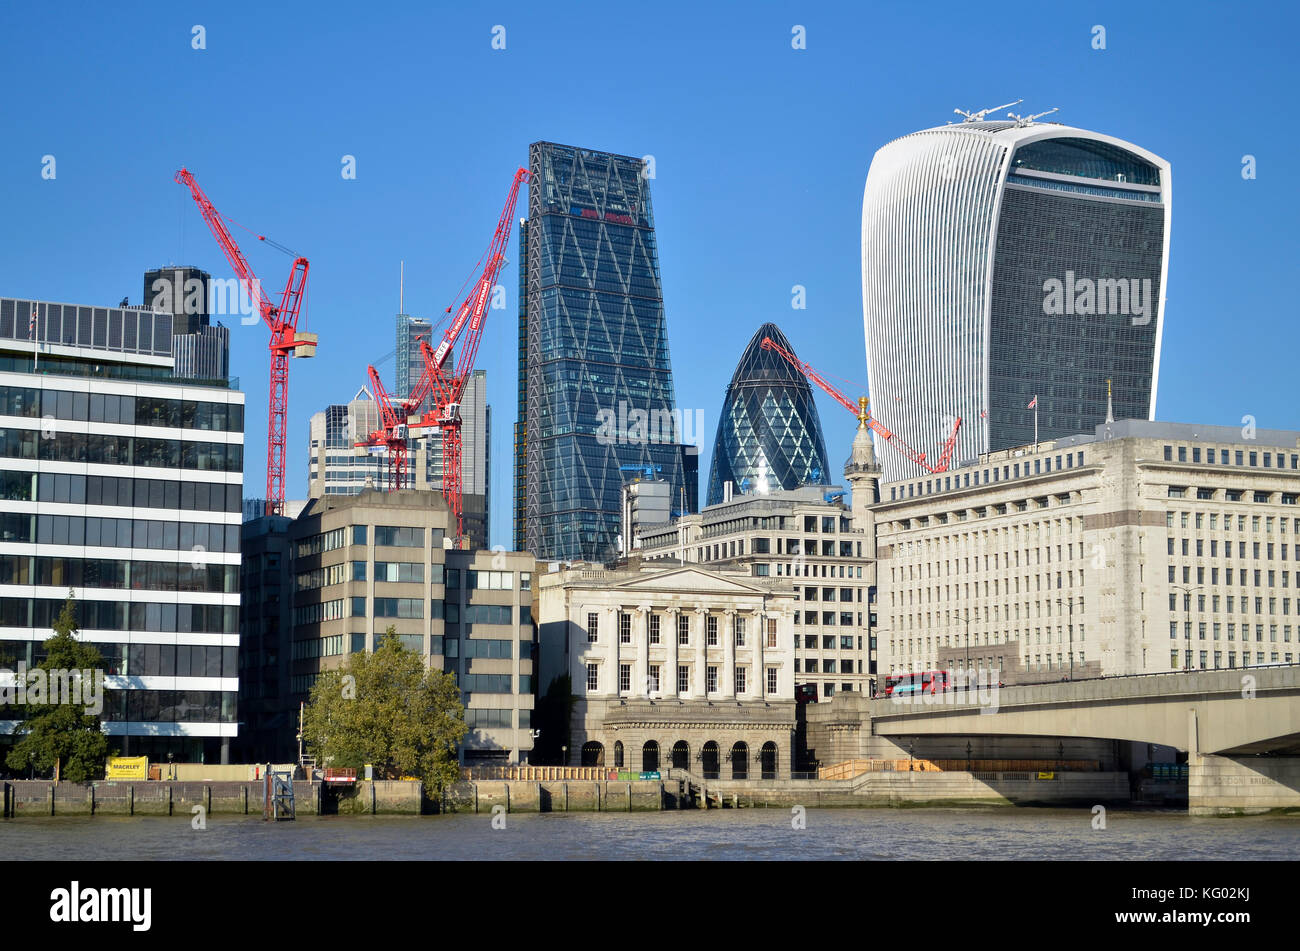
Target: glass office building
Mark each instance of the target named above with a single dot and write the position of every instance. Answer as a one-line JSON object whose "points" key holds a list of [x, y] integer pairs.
{"points": [[596, 385], [410, 364], [1003, 261], [769, 434], [121, 484]]}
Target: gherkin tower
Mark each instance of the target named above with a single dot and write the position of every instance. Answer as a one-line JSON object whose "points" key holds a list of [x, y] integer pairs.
{"points": [[769, 434]]}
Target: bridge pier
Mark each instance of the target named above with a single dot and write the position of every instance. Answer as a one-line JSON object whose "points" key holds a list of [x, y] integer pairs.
{"points": [[1242, 785]]}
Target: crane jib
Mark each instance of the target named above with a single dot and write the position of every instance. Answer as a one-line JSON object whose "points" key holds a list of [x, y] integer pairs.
{"points": [[480, 305]]}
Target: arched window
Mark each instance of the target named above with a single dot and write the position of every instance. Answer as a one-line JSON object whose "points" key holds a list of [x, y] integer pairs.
{"points": [[740, 761], [593, 754], [618, 754], [681, 755], [650, 757], [709, 760], [767, 760]]}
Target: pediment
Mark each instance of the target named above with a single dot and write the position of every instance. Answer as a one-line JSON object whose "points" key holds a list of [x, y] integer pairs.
{"points": [[688, 578]]}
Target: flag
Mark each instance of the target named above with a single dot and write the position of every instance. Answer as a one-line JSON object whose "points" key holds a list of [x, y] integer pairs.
{"points": [[31, 324], [1032, 403]]}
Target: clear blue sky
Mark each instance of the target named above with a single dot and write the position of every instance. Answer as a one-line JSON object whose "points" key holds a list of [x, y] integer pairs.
{"points": [[761, 155]]}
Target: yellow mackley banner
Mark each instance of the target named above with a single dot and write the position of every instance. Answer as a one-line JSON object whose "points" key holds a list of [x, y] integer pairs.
{"points": [[128, 767]]}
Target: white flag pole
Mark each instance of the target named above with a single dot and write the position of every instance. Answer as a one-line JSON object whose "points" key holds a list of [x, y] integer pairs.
{"points": [[1035, 422], [36, 339]]}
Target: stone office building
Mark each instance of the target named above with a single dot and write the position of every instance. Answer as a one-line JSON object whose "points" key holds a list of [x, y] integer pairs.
{"points": [[679, 666], [1141, 547], [810, 535], [366, 562]]}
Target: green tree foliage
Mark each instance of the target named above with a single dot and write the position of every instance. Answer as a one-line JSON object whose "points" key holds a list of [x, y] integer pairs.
{"points": [[387, 709], [62, 737]]}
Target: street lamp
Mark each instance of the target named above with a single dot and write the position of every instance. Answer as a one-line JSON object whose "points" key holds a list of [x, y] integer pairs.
{"points": [[1187, 603]]}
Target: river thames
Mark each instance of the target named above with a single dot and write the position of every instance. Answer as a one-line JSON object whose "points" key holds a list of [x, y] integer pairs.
{"points": [[726, 834]]}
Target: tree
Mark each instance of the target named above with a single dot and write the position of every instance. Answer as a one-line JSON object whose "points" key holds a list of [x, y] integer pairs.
{"points": [[389, 710], [63, 736]]}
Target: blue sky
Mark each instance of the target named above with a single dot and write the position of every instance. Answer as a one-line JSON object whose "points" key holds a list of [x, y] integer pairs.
{"points": [[761, 153]]}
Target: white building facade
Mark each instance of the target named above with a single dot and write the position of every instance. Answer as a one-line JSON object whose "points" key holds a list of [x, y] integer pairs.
{"points": [[1144, 547], [683, 666]]}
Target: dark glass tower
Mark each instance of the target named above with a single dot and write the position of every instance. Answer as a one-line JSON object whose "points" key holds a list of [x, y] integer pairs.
{"points": [[769, 434], [410, 364], [180, 291], [596, 384]]}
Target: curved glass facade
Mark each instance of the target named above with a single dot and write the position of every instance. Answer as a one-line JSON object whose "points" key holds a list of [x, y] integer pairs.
{"points": [[1002, 262], [769, 434], [1086, 158]]}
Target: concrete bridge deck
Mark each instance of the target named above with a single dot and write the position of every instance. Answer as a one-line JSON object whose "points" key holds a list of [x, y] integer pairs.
{"points": [[1239, 727], [1230, 712]]}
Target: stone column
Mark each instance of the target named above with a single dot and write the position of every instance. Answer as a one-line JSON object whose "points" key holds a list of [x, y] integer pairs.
{"points": [[610, 621], [699, 687], [670, 686], [641, 670], [760, 639], [728, 672]]}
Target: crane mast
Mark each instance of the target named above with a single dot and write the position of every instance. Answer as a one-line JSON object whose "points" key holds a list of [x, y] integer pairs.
{"points": [[447, 389], [286, 340], [861, 411], [443, 380]]}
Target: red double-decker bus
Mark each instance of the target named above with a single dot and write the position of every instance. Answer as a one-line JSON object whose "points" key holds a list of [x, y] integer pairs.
{"points": [[918, 682]]}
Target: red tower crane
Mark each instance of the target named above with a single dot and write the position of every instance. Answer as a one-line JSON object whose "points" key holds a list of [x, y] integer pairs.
{"points": [[863, 414], [286, 340], [447, 388], [444, 380], [392, 434]]}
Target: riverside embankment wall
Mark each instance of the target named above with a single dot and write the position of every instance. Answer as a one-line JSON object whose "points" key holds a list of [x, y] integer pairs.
{"points": [[43, 798], [120, 798], [875, 789]]}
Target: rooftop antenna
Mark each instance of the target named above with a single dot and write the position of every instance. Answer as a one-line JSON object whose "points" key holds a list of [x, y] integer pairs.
{"points": [[979, 116], [401, 290], [1022, 121]]}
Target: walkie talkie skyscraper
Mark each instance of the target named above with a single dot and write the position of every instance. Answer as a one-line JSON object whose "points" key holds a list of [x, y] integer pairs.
{"points": [[1003, 260]]}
